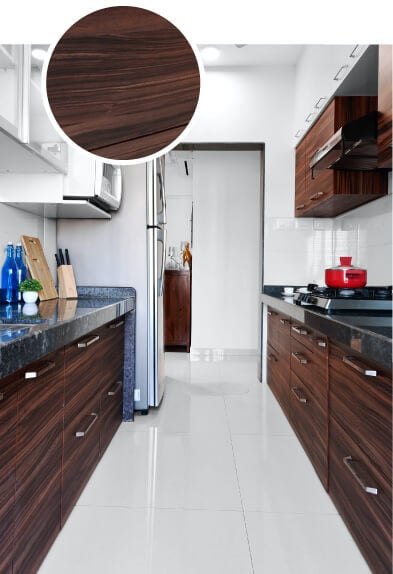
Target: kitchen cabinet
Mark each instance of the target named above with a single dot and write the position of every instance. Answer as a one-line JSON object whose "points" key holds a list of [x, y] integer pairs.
{"points": [[11, 81], [385, 107], [278, 357], [360, 452], [309, 395], [319, 73], [38, 461], [330, 192], [8, 424], [177, 309], [57, 416]]}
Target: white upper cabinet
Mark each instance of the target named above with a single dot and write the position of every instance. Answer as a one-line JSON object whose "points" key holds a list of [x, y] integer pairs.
{"points": [[28, 141], [11, 92], [319, 73]]}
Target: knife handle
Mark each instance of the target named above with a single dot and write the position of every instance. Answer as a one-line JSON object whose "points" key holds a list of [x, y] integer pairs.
{"points": [[61, 256], [57, 260], [67, 257]]}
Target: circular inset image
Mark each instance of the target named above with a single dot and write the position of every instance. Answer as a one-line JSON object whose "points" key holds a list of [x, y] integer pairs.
{"points": [[123, 83]]}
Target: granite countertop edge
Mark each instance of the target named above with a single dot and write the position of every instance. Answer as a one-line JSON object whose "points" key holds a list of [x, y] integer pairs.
{"points": [[373, 346], [45, 339]]}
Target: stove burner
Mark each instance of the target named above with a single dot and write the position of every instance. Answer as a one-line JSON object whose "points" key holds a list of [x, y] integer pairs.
{"points": [[346, 292], [383, 293]]}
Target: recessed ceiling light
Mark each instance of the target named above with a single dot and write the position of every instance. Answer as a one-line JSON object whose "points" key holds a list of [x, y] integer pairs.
{"points": [[210, 53], [39, 54]]}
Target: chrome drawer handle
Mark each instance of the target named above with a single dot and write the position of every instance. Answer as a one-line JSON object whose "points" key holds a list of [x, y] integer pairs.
{"points": [[338, 76], [84, 344], [301, 399], [318, 105], [116, 325], [317, 195], [355, 52], [301, 206], [1, 396], [115, 389], [299, 358], [359, 366], [310, 117], [299, 330], [271, 357], [349, 462], [271, 313], [83, 433], [284, 321], [47, 366], [320, 342]]}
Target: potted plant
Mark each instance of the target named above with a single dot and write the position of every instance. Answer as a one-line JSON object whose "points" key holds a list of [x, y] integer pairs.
{"points": [[29, 289]]}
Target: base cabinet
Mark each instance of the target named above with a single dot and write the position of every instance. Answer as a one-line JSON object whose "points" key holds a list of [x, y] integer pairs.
{"points": [[57, 416], [177, 309]]}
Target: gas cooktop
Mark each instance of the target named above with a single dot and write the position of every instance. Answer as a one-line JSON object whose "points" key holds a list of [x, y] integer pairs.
{"points": [[335, 300]]}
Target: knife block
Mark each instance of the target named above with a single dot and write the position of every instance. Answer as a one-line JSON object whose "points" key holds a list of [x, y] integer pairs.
{"points": [[66, 280]]}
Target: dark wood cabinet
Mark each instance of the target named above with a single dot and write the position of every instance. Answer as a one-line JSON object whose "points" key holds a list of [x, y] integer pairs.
{"points": [[177, 310], [385, 107], [38, 461], [57, 417], [8, 424], [329, 192], [278, 354], [360, 452]]}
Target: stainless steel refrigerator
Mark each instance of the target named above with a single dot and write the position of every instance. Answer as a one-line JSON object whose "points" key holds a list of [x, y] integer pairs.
{"points": [[156, 254]]}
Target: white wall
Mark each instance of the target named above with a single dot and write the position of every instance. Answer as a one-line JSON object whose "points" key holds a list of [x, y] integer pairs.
{"points": [[15, 222], [113, 253], [225, 272]]}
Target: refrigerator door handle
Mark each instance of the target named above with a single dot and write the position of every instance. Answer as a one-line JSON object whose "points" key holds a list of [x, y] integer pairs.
{"points": [[161, 238]]}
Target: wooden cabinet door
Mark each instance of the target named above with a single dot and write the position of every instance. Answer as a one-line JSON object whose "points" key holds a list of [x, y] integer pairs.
{"points": [[385, 107], [301, 201], [8, 423], [177, 309], [278, 376], [38, 463]]}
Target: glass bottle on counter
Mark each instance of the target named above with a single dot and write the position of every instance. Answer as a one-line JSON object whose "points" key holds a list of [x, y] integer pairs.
{"points": [[21, 267], [9, 277]]}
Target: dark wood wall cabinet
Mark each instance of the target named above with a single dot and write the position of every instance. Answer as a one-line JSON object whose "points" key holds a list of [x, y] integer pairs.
{"points": [[57, 416], [177, 310], [123, 82], [340, 406], [385, 107], [330, 192]]}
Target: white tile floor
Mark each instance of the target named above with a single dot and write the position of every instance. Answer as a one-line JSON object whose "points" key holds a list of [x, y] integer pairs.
{"points": [[213, 482]]}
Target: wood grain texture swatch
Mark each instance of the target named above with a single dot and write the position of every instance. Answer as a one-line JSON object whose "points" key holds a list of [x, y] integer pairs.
{"points": [[123, 83]]}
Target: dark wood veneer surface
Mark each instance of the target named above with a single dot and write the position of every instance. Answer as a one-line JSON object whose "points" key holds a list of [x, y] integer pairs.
{"points": [[123, 82]]}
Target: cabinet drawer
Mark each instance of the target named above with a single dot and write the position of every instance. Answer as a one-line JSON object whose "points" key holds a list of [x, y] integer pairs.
{"points": [[312, 369], [310, 423], [111, 353], [278, 376], [80, 451], [278, 330], [315, 341], [362, 405], [368, 516], [111, 412]]}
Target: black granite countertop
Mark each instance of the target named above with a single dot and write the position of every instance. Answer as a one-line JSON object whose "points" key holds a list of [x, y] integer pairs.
{"points": [[28, 333], [369, 333]]}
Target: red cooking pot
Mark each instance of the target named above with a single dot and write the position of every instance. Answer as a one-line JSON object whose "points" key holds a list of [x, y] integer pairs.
{"points": [[346, 276]]}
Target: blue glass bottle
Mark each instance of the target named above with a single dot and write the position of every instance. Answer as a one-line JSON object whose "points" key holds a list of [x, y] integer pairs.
{"points": [[21, 267], [9, 277]]}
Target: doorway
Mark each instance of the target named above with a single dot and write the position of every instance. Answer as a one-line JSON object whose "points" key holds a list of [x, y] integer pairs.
{"points": [[215, 201]]}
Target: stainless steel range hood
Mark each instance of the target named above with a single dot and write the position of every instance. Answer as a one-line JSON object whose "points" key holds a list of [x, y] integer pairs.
{"points": [[352, 147]]}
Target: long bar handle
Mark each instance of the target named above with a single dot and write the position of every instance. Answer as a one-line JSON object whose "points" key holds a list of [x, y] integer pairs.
{"points": [[299, 358], [301, 206], [349, 462], [271, 357], [1, 396], [317, 195], [301, 399], [284, 321], [338, 76], [82, 433], [272, 313], [299, 330], [320, 342], [115, 389], [88, 342], [116, 325], [359, 366], [46, 366]]}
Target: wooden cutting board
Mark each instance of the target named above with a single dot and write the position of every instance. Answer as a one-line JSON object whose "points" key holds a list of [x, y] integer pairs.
{"points": [[38, 267]]}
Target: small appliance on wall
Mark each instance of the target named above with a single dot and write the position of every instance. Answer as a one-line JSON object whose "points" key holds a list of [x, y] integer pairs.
{"points": [[107, 189]]}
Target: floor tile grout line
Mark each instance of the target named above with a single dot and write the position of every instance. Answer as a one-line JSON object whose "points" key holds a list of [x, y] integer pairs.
{"points": [[238, 485]]}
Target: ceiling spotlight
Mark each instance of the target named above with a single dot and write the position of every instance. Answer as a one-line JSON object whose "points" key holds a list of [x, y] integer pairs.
{"points": [[39, 54], [210, 53]]}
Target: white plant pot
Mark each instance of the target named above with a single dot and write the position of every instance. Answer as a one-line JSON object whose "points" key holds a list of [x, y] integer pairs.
{"points": [[30, 296]]}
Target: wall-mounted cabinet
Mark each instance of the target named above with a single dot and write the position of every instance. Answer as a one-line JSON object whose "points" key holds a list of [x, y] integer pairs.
{"points": [[385, 107], [28, 141], [330, 192], [319, 74]]}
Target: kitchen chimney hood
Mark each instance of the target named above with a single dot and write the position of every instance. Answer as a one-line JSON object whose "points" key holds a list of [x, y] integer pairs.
{"points": [[352, 147]]}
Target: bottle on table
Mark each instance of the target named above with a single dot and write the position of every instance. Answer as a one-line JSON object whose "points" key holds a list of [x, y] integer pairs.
{"points": [[20, 265], [9, 277]]}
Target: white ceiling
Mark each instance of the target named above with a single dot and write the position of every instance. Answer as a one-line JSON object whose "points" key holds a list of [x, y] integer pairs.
{"points": [[255, 54]]}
